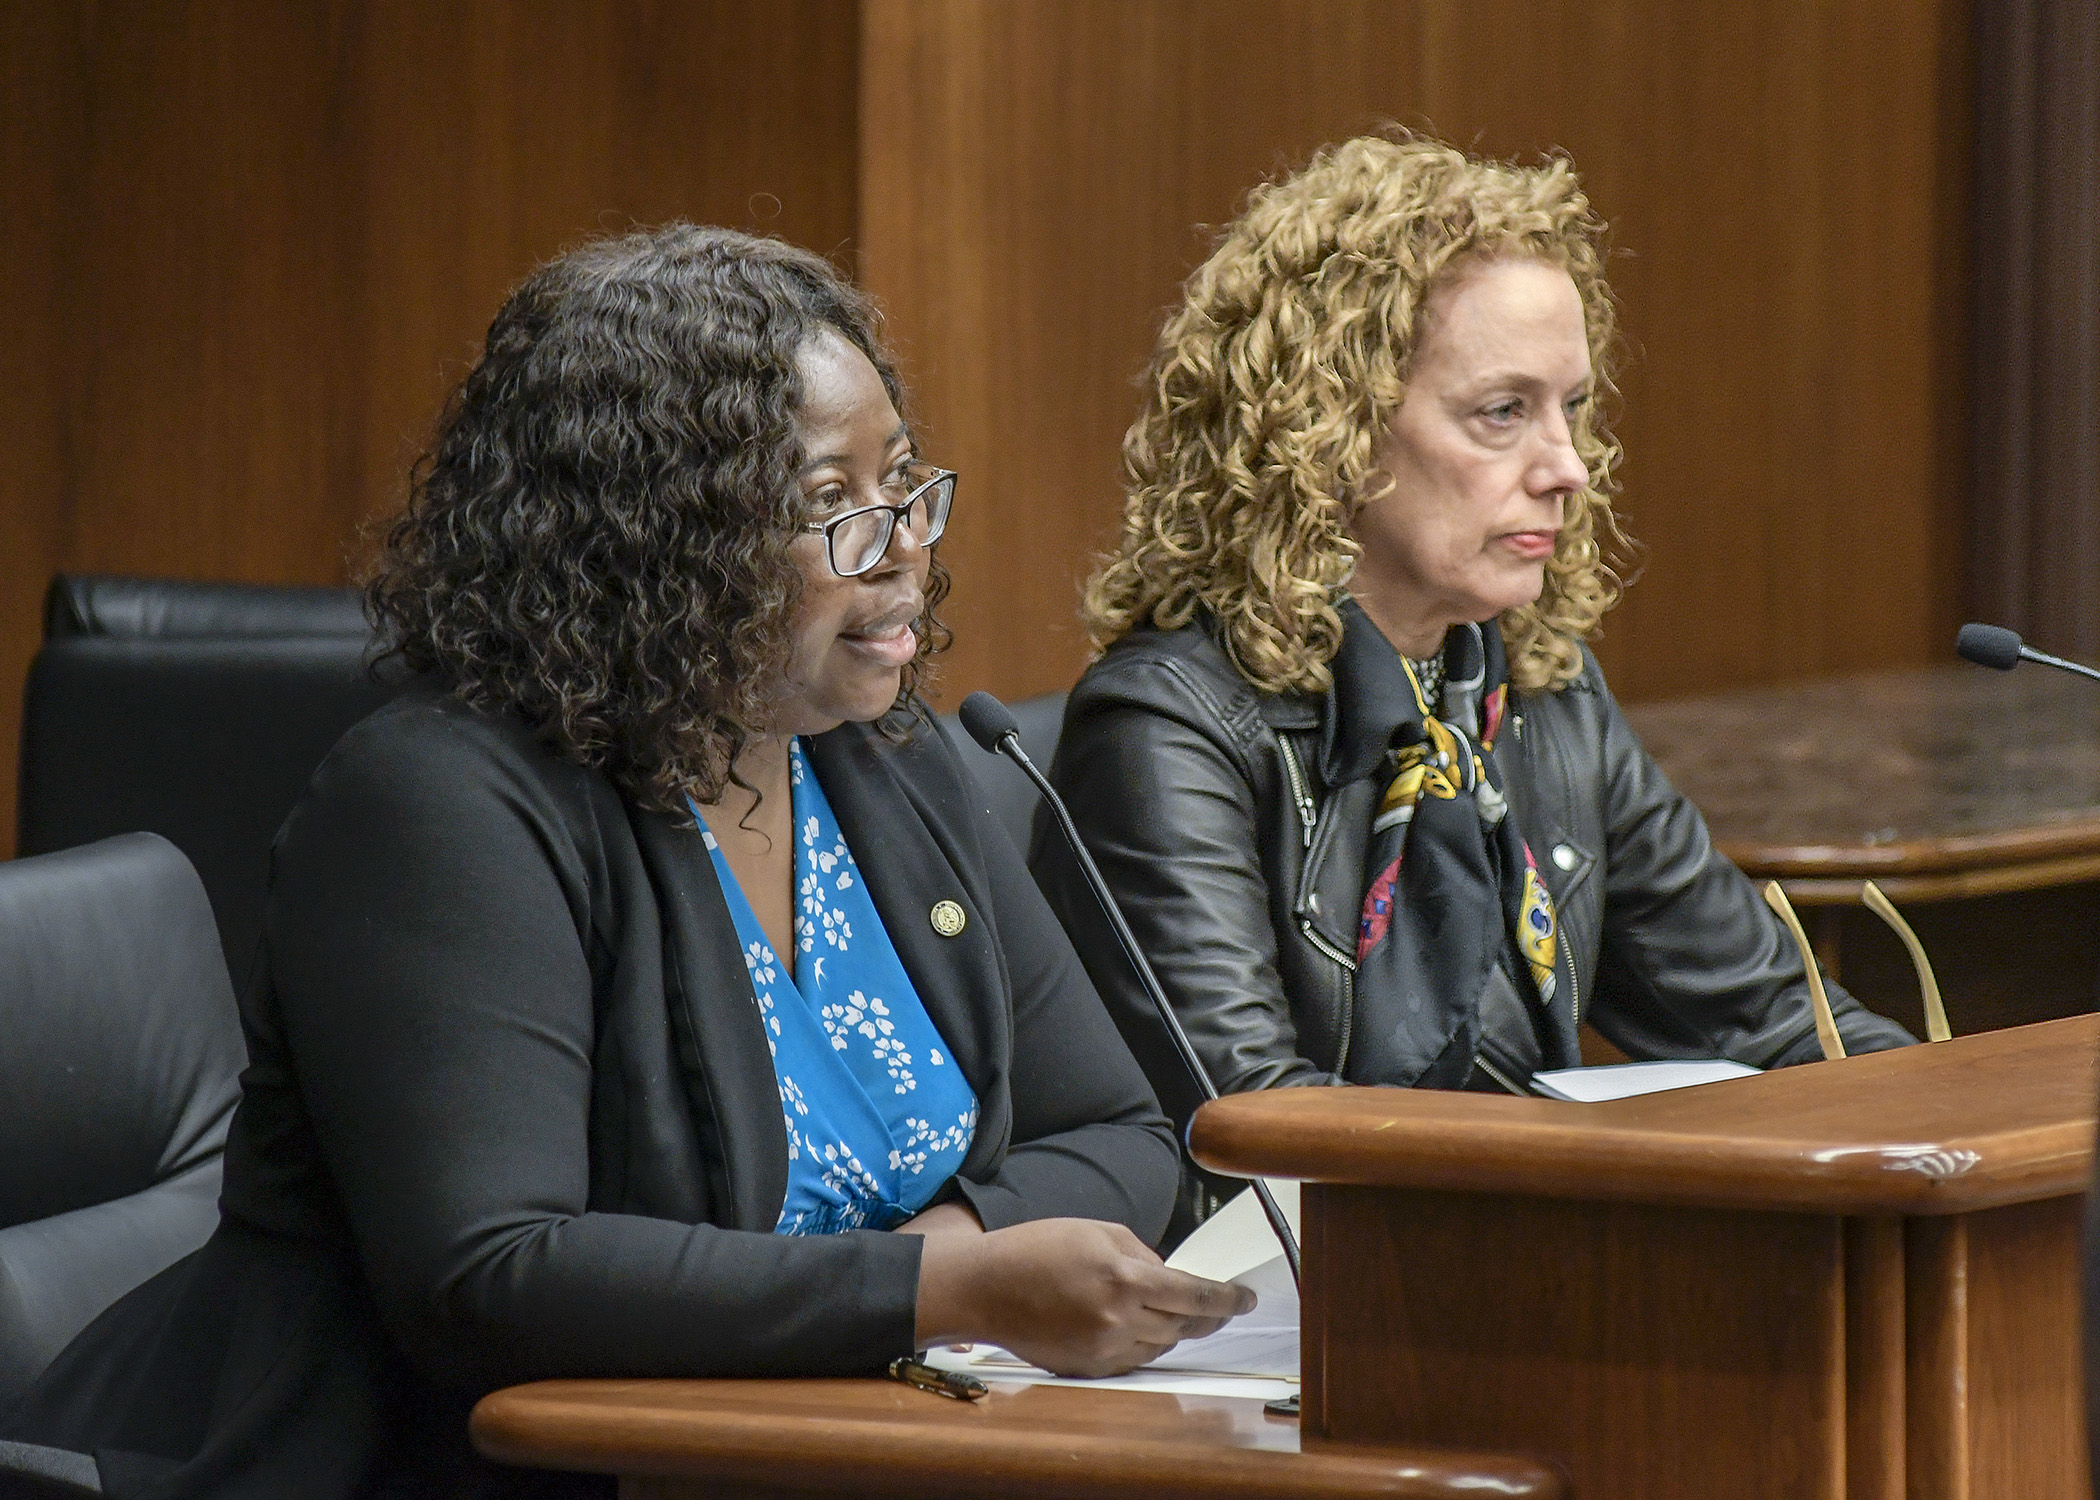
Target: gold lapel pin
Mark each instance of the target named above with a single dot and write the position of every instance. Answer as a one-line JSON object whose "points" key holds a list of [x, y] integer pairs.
{"points": [[947, 918]]}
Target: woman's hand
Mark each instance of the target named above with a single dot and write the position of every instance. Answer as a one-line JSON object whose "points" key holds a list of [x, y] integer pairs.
{"points": [[1076, 1296]]}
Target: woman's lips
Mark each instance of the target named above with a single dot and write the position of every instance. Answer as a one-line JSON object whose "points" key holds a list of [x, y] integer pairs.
{"points": [[1532, 546], [890, 640]]}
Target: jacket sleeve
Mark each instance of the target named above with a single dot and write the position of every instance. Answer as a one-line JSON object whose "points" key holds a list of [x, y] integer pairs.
{"points": [[1693, 963], [1167, 810], [1088, 1138], [429, 957]]}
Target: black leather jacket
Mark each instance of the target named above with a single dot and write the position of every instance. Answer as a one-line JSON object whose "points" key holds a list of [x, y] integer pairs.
{"points": [[1241, 872]]}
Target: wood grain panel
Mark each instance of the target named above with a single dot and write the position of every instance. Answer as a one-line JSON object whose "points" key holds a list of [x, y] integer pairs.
{"points": [[1651, 1352], [43, 141], [1996, 1376], [283, 230], [1787, 191], [1936, 1381], [259, 243], [1875, 1415], [2026, 1375]]}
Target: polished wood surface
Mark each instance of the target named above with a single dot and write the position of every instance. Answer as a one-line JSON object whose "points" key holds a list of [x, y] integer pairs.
{"points": [[1996, 1381], [873, 1437], [1670, 1352], [1943, 782], [1653, 1351], [2003, 1117], [1852, 1281]]}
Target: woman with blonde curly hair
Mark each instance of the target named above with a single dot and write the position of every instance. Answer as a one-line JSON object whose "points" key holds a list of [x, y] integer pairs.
{"points": [[1363, 791]]}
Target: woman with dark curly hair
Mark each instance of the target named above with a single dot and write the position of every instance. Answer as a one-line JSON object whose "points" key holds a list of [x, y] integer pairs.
{"points": [[643, 992], [1370, 806]]}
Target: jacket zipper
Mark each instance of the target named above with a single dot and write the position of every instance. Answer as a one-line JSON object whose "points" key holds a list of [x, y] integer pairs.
{"points": [[1574, 984], [1480, 1061], [1308, 822], [1308, 815]]}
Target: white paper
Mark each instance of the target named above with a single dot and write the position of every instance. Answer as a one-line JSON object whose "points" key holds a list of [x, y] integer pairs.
{"points": [[1166, 1382], [1625, 1080], [1256, 1354], [1237, 1238], [1261, 1342]]}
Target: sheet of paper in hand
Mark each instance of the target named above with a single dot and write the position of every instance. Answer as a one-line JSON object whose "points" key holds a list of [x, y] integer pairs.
{"points": [[1256, 1354]]}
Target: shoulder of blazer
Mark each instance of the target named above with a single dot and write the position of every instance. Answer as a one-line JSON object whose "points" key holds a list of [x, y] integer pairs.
{"points": [[1186, 674]]}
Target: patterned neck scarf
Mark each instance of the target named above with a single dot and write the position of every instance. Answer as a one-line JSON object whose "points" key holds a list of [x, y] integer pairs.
{"points": [[1452, 888]]}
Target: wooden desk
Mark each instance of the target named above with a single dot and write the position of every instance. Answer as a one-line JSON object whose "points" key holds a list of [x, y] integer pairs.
{"points": [[742, 1439], [1971, 797], [1857, 1279]]}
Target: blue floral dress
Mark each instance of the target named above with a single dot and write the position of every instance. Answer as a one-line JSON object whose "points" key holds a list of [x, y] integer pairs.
{"points": [[878, 1114]]}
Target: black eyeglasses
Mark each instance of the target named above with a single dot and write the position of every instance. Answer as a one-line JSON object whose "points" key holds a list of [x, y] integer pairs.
{"points": [[856, 540]]}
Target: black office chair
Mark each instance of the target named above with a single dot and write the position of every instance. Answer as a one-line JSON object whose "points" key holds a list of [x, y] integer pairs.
{"points": [[1009, 794], [117, 1081], [197, 711]]}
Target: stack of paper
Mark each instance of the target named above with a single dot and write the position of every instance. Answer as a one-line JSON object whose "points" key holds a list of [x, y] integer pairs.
{"points": [[1624, 1080]]}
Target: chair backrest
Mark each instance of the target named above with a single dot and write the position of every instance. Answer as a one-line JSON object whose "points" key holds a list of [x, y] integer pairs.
{"points": [[1011, 795], [195, 711], [178, 609], [117, 1080]]}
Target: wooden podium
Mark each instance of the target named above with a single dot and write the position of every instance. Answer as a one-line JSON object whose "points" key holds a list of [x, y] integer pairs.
{"points": [[1858, 1279]]}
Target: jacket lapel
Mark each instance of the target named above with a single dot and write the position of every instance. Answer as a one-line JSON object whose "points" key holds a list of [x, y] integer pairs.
{"points": [[916, 848], [721, 1043]]}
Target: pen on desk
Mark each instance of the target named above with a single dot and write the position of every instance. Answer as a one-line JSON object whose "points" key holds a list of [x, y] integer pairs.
{"points": [[916, 1372]]}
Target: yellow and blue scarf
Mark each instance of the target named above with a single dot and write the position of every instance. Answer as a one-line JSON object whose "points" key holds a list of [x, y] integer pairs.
{"points": [[1452, 889]]}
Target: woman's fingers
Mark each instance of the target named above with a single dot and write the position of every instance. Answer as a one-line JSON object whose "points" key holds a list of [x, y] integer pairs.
{"points": [[1198, 1297], [1076, 1296]]}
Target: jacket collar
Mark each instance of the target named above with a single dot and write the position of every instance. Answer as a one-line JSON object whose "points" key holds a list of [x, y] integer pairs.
{"points": [[910, 849], [916, 850], [715, 1027]]}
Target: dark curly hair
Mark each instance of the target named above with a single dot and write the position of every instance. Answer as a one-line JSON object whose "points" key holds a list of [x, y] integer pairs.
{"points": [[597, 539]]}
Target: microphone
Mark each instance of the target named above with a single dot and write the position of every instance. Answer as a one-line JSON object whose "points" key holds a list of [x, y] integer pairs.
{"points": [[1996, 647], [992, 725]]}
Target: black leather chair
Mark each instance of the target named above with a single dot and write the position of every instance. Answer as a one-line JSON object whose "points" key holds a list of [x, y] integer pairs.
{"points": [[1010, 794], [193, 710], [118, 1078]]}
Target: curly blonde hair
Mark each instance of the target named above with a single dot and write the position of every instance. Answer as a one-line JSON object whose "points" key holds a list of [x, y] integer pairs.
{"points": [[1274, 382]]}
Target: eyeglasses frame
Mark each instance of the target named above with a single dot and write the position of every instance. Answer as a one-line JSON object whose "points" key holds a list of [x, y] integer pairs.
{"points": [[897, 514]]}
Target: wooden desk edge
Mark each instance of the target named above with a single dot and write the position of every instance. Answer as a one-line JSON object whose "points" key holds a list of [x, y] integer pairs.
{"points": [[612, 1427], [1980, 1122], [1837, 880], [1911, 1181]]}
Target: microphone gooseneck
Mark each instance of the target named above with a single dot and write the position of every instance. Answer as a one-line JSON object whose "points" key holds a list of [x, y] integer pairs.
{"points": [[1996, 647], [992, 725]]}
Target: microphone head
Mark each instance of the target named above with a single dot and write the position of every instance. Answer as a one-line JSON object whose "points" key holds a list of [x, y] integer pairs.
{"points": [[1989, 646], [988, 720]]}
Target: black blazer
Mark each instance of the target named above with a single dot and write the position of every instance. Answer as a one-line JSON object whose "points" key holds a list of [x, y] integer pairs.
{"points": [[510, 1104]]}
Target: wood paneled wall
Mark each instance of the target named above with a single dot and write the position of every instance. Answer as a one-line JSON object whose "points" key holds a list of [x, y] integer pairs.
{"points": [[1785, 186], [249, 247]]}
